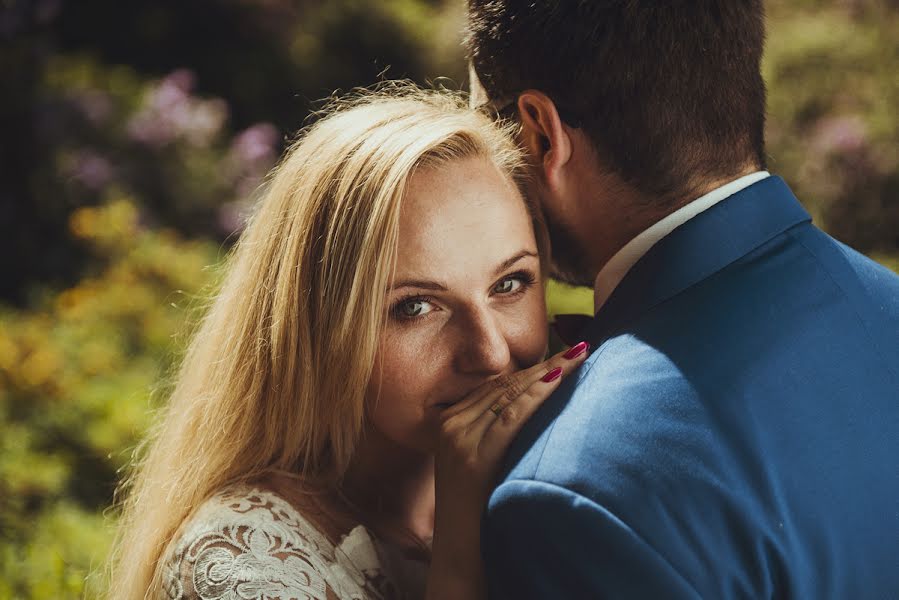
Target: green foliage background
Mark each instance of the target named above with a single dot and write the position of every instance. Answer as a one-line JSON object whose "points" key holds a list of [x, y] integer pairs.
{"points": [[133, 144]]}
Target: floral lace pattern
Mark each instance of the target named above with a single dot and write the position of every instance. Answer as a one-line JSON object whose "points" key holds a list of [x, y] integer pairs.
{"points": [[253, 545]]}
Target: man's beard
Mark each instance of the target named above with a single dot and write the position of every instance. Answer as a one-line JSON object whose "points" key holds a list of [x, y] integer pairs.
{"points": [[568, 259]]}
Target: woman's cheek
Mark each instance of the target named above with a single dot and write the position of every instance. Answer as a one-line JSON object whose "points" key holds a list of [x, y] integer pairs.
{"points": [[394, 367], [531, 334], [401, 383]]}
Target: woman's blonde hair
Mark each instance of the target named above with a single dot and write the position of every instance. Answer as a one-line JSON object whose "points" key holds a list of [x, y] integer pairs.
{"points": [[274, 379]]}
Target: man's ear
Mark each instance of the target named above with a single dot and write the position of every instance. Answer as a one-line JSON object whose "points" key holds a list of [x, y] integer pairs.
{"points": [[543, 134]]}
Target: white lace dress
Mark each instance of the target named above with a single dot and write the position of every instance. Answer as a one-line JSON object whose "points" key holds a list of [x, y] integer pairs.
{"points": [[251, 544]]}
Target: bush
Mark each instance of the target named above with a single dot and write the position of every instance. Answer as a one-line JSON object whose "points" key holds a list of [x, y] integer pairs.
{"points": [[81, 373]]}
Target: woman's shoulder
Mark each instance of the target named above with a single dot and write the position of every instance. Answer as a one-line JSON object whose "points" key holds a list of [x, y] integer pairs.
{"points": [[248, 542]]}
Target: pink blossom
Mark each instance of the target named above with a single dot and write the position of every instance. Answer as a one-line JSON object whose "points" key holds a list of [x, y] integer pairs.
{"points": [[169, 113], [840, 135], [255, 144], [91, 169], [95, 105], [232, 216]]}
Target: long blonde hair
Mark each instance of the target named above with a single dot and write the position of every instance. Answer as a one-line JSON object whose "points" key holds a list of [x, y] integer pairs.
{"points": [[275, 377]]}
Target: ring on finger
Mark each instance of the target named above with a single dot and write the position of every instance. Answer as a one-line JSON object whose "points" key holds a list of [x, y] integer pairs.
{"points": [[497, 408]]}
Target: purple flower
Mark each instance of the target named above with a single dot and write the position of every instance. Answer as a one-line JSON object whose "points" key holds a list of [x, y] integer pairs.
{"points": [[204, 121], [253, 151], [91, 170], [840, 135], [232, 216], [95, 105], [255, 144], [170, 113]]}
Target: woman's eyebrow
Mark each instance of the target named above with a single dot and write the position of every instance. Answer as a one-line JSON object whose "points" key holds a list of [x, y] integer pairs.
{"points": [[511, 261], [420, 284], [426, 284]]}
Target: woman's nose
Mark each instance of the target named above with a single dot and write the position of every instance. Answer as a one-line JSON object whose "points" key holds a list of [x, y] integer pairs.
{"points": [[483, 348]]}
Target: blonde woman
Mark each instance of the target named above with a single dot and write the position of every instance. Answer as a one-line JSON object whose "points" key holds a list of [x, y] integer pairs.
{"points": [[378, 341]]}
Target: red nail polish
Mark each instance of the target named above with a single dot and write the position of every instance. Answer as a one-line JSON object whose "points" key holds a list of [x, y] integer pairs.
{"points": [[577, 350], [552, 375]]}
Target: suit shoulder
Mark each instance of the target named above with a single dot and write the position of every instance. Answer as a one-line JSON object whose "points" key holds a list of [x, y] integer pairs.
{"points": [[853, 271], [630, 415]]}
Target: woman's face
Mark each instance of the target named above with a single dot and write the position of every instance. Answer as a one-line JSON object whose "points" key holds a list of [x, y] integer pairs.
{"points": [[466, 302]]}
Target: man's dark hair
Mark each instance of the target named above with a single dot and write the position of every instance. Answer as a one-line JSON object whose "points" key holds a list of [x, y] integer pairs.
{"points": [[669, 91]]}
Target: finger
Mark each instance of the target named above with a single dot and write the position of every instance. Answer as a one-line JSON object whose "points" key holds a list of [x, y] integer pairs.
{"points": [[504, 385], [504, 390], [463, 406], [507, 388], [497, 433], [517, 408]]}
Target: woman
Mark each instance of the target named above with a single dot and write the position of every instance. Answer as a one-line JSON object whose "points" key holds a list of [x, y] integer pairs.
{"points": [[381, 328]]}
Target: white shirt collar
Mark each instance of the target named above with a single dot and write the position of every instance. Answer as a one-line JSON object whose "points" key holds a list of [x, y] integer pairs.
{"points": [[615, 270]]}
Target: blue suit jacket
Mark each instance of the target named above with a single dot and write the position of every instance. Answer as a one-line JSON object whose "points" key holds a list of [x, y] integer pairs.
{"points": [[735, 433]]}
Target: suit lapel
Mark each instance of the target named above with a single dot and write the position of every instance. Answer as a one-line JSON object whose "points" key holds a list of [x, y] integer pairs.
{"points": [[698, 249]]}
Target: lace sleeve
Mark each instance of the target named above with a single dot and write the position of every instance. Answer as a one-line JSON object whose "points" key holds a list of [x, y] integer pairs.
{"points": [[255, 546]]}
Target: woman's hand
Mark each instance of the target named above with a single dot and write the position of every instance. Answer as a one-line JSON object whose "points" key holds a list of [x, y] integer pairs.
{"points": [[475, 434]]}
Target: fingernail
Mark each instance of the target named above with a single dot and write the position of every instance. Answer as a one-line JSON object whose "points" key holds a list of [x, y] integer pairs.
{"points": [[577, 350], [552, 375]]}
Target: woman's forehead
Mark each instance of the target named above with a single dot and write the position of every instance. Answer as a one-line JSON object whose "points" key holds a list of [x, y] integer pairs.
{"points": [[461, 215]]}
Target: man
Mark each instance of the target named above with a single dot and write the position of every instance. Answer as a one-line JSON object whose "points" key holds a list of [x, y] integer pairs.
{"points": [[735, 433]]}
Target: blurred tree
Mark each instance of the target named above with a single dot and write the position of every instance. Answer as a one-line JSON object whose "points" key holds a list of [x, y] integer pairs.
{"points": [[69, 132], [271, 58], [833, 128], [77, 378]]}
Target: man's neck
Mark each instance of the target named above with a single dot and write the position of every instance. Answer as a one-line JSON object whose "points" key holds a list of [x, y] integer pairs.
{"points": [[633, 213], [615, 269]]}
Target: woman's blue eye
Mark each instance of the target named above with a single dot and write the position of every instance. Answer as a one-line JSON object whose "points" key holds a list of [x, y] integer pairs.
{"points": [[507, 286], [415, 307]]}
